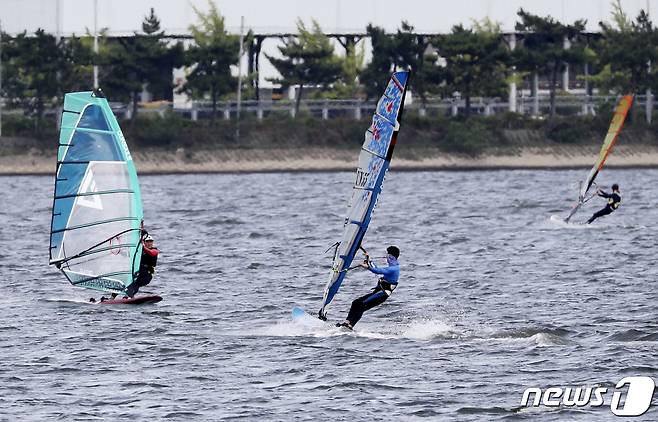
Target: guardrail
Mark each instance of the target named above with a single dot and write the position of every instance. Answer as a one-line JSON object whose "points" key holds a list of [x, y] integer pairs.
{"points": [[328, 109], [566, 105]]}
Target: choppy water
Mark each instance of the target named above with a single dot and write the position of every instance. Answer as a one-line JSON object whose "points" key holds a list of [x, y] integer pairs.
{"points": [[493, 299]]}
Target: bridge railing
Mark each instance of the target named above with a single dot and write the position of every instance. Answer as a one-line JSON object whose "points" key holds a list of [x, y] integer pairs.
{"points": [[355, 109]]}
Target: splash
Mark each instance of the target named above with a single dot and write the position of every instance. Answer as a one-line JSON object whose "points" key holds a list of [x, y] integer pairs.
{"points": [[427, 329], [558, 222]]}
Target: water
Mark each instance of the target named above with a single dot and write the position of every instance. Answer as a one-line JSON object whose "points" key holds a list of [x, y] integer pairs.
{"points": [[494, 298]]}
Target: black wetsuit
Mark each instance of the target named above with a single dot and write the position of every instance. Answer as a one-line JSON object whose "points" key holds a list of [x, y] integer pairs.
{"points": [[614, 200], [146, 271]]}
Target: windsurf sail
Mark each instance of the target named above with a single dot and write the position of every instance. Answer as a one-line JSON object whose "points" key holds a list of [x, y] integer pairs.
{"points": [[374, 160], [97, 207], [621, 111]]}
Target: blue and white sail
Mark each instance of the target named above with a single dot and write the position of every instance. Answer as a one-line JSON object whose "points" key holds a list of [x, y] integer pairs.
{"points": [[97, 207], [374, 160]]}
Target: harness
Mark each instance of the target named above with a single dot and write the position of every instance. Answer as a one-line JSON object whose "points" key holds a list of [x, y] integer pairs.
{"points": [[613, 202], [385, 286], [149, 262]]}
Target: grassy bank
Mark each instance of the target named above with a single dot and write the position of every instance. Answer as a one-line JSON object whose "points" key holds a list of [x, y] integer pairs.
{"points": [[469, 137]]}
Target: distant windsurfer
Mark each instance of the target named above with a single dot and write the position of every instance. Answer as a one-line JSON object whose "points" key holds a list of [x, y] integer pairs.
{"points": [[385, 286], [146, 266], [614, 200]]}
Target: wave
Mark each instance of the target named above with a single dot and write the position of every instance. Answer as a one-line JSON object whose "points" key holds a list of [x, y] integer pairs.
{"points": [[538, 336], [633, 335]]}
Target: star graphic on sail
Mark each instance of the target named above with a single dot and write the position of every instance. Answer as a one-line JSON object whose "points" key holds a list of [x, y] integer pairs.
{"points": [[389, 107], [88, 185], [376, 133]]}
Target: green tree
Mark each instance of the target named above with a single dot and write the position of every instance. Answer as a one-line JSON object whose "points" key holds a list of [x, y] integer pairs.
{"points": [[405, 49], [542, 50], [211, 57], [75, 57], [624, 52], [9, 71], [140, 61], [410, 53], [33, 63], [375, 75], [308, 59], [158, 57], [475, 62], [347, 85]]}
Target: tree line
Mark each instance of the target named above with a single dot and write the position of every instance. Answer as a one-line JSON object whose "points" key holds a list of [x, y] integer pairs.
{"points": [[473, 61]]}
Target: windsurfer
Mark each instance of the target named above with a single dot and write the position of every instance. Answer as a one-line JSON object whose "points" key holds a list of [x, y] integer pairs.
{"points": [[146, 266], [614, 199], [385, 286]]}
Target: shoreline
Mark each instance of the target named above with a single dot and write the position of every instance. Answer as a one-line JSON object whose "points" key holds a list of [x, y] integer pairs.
{"points": [[315, 159]]}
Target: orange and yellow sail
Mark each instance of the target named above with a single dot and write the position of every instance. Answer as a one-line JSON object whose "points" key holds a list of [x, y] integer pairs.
{"points": [[609, 142]]}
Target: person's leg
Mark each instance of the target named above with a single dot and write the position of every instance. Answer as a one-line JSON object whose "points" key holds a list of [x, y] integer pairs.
{"points": [[357, 308], [600, 213], [143, 278], [364, 303]]}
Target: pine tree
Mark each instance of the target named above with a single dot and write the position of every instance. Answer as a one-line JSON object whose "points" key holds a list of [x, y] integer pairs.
{"points": [[542, 49], [211, 57], [475, 63], [140, 61], [32, 62], [308, 59]]}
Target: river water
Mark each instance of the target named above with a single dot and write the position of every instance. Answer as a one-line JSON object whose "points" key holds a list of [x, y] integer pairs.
{"points": [[494, 298]]}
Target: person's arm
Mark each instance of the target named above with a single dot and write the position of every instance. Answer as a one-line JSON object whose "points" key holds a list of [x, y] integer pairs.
{"points": [[381, 271], [603, 194], [151, 252]]}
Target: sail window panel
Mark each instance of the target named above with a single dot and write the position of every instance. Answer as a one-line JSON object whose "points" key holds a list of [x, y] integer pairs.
{"points": [[89, 146], [90, 208], [102, 176], [94, 265], [94, 118], [94, 209], [77, 241]]}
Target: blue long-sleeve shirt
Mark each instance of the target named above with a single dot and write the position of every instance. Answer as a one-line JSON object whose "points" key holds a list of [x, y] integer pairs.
{"points": [[391, 273]]}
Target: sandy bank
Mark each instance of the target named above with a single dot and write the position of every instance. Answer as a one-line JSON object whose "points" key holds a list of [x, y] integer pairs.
{"points": [[326, 159]]}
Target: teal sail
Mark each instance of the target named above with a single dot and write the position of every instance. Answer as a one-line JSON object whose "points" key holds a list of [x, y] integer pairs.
{"points": [[97, 207], [374, 160]]}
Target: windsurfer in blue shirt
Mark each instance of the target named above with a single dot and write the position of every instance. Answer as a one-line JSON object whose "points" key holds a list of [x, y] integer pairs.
{"points": [[385, 286]]}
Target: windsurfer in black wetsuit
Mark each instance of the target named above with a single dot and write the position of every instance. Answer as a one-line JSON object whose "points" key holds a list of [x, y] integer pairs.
{"points": [[614, 200], [146, 266]]}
